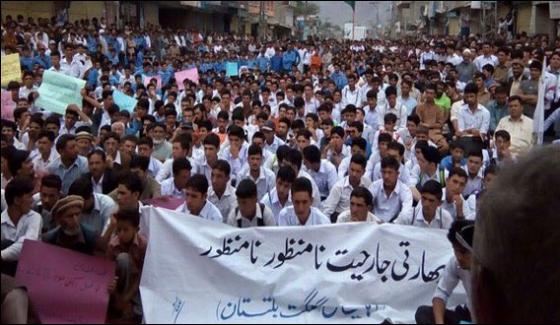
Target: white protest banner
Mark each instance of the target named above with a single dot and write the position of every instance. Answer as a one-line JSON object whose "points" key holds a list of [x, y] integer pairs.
{"points": [[197, 271]]}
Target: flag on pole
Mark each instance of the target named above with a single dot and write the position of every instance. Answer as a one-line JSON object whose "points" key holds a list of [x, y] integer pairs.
{"points": [[351, 4], [538, 118]]}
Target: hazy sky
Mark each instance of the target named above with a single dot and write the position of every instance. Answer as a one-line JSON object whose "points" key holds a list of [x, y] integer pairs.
{"points": [[338, 12]]}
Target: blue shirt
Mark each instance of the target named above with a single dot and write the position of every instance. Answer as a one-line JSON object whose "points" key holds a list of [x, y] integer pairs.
{"points": [[447, 162], [339, 79], [92, 77], [68, 175], [166, 75], [289, 59], [92, 44], [103, 208], [263, 63], [410, 104], [276, 63], [27, 62], [44, 61], [497, 112]]}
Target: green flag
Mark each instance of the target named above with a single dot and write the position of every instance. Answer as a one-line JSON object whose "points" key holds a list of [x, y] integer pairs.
{"points": [[351, 4]]}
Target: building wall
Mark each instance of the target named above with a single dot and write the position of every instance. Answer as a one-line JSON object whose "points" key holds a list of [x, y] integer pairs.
{"points": [[543, 23], [189, 19], [151, 13], [86, 9], [454, 26], [35, 9], [524, 13], [46, 9]]}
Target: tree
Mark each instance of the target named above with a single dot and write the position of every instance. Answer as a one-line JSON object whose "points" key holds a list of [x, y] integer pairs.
{"points": [[304, 8]]}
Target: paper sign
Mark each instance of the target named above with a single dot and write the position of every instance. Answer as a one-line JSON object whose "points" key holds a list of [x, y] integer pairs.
{"points": [[147, 80], [8, 105], [191, 74], [65, 286], [58, 90], [167, 202], [341, 273], [231, 69], [11, 69], [124, 101]]}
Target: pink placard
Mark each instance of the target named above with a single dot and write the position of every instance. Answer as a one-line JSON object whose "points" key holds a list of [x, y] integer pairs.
{"points": [[147, 80], [65, 286], [168, 202], [191, 74], [8, 105]]}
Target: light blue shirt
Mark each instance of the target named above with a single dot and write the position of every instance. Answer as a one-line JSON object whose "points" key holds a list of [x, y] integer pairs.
{"points": [[410, 104], [397, 204], [265, 182], [274, 146], [479, 120], [168, 188], [325, 177], [208, 212], [372, 117], [103, 208], [288, 217], [236, 164], [70, 174], [272, 201]]}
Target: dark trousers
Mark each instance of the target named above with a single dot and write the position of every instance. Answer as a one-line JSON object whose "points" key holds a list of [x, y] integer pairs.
{"points": [[425, 315], [10, 267]]}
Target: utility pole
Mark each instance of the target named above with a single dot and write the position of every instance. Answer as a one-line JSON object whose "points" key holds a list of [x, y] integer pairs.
{"points": [[262, 32]]}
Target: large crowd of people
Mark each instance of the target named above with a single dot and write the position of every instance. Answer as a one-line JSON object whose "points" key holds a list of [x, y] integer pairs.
{"points": [[411, 132]]}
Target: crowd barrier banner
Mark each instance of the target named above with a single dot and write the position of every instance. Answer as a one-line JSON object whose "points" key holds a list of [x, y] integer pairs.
{"points": [[201, 271]]}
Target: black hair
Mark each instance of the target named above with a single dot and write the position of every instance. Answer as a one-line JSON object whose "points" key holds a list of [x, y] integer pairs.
{"points": [[360, 142], [222, 165], [294, 157], [199, 183], [130, 215], [51, 181], [390, 118], [246, 189], [503, 134], [390, 162], [302, 184], [180, 164], [359, 159], [131, 181], [254, 149], [312, 154], [140, 162], [432, 187], [431, 154], [18, 187], [476, 153], [459, 172], [99, 152], [47, 134], [286, 174], [457, 227], [82, 187], [63, 140], [364, 193]]}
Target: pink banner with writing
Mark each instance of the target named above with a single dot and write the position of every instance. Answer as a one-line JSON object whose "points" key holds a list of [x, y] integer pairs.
{"points": [[65, 286], [191, 74]]}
